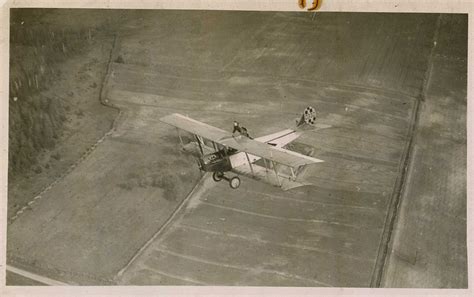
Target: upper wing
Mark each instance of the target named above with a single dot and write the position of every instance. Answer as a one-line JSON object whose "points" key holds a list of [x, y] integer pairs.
{"points": [[240, 143], [195, 127]]}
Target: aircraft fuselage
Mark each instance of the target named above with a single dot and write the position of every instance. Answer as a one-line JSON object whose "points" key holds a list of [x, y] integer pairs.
{"points": [[221, 161]]}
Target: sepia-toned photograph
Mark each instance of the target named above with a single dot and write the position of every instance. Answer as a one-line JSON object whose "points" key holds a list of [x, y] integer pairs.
{"points": [[237, 148]]}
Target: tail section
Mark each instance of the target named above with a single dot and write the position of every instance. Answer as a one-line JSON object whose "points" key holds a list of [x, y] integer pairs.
{"points": [[305, 122], [307, 118]]}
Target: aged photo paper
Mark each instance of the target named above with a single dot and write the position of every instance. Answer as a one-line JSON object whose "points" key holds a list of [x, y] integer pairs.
{"points": [[276, 148]]}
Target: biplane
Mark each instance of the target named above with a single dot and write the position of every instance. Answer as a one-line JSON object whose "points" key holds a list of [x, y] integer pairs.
{"points": [[221, 152]]}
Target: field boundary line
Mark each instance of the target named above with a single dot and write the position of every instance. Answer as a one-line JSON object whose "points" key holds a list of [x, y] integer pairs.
{"points": [[397, 196], [104, 102], [165, 226]]}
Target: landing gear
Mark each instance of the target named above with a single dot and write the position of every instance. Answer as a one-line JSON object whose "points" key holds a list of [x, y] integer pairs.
{"points": [[217, 176], [234, 182]]}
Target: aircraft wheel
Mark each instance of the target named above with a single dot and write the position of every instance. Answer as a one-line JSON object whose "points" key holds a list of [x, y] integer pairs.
{"points": [[217, 176], [234, 182]]}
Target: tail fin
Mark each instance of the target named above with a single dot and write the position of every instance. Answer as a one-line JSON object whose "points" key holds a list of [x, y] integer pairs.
{"points": [[307, 118]]}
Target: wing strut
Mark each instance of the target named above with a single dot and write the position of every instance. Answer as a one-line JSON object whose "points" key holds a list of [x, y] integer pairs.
{"points": [[179, 135], [266, 168], [276, 173], [293, 173], [251, 167], [200, 146], [265, 162]]}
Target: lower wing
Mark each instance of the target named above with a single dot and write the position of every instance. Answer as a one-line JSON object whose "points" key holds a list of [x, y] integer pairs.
{"points": [[268, 176]]}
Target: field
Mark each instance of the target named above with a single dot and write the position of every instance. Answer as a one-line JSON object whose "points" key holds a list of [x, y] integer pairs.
{"points": [[136, 210]]}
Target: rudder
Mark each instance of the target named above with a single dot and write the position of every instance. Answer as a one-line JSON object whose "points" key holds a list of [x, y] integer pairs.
{"points": [[308, 117]]}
